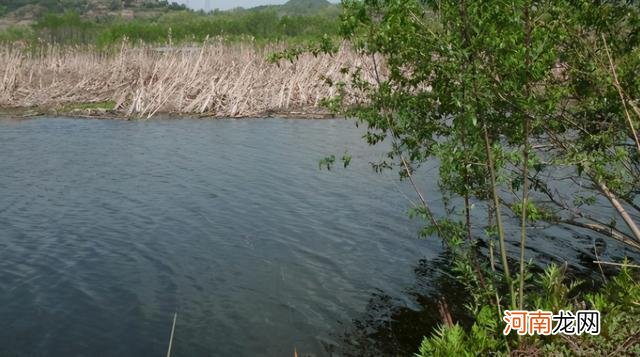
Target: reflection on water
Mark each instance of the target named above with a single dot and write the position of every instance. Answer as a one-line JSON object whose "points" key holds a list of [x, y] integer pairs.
{"points": [[396, 325], [392, 326]]}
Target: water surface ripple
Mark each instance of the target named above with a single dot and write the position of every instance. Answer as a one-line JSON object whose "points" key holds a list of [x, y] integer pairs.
{"points": [[109, 227]]}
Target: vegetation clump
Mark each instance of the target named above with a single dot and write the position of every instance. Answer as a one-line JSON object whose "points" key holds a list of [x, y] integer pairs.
{"points": [[618, 302]]}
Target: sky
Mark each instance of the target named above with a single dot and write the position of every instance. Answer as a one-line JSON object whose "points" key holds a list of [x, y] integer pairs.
{"points": [[229, 4]]}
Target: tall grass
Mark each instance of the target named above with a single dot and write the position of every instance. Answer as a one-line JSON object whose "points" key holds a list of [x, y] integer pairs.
{"points": [[214, 79]]}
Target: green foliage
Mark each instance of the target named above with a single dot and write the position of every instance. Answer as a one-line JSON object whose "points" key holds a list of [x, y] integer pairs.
{"points": [[472, 85], [308, 7], [107, 105], [323, 45], [82, 6], [450, 341], [552, 293], [190, 27], [459, 69], [619, 304], [296, 22], [480, 340], [618, 301], [14, 34], [327, 162], [346, 160], [65, 28], [534, 212], [417, 104]]}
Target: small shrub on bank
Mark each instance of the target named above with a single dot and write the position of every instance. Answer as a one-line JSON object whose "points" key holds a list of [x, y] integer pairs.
{"points": [[618, 302]]}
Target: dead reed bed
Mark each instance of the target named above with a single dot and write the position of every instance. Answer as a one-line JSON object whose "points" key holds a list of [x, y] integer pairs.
{"points": [[215, 79]]}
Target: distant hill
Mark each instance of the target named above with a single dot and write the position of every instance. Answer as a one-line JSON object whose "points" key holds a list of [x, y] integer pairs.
{"points": [[307, 3], [15, 12], [26, 11], [84, 6], [107, 22], [305, 6], [299, 8]]}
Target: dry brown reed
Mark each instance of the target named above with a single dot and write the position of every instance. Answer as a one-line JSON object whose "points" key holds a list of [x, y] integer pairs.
{"points": [[215, 79]]}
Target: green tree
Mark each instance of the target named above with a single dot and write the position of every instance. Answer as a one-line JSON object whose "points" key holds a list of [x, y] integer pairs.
{"points": [[65, 28], [513, 99], [115, 5]]}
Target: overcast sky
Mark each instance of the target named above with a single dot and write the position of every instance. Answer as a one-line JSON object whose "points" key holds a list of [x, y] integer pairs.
{"points": [[229, 4]]}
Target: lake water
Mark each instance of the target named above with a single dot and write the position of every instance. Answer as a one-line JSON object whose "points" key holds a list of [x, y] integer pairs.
{"points": [[109, 227]]}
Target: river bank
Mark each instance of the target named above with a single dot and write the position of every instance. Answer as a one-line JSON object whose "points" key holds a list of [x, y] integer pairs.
{"points": [[213, 80], [88, 111]]}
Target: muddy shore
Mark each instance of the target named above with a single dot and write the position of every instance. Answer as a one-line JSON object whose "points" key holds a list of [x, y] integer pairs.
{"points": [[34, 112]]}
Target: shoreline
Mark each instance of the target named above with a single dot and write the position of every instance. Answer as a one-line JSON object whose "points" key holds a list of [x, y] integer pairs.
{"points": [[18, 113]]}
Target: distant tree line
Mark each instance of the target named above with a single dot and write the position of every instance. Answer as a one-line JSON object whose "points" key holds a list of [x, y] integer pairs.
{"points": [[176, 26], [49, 5], [60, 6]]}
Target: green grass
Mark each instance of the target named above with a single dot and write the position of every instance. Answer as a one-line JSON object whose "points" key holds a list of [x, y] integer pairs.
{"points": [[106, 105]]}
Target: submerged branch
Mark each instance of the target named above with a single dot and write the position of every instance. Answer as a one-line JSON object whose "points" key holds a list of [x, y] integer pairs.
{"points": [[620, 208], [604, 230], [432, 218]]}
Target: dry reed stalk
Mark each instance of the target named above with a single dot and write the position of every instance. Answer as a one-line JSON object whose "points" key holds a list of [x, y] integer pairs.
{"points": [[173, 330], [215, 79]]}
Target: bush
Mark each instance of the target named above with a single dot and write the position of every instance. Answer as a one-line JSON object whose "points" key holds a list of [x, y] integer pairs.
{"points": [[618, 302]]}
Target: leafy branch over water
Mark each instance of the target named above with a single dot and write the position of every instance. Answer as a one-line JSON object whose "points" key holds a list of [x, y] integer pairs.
{"points": [[531, 110]]}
